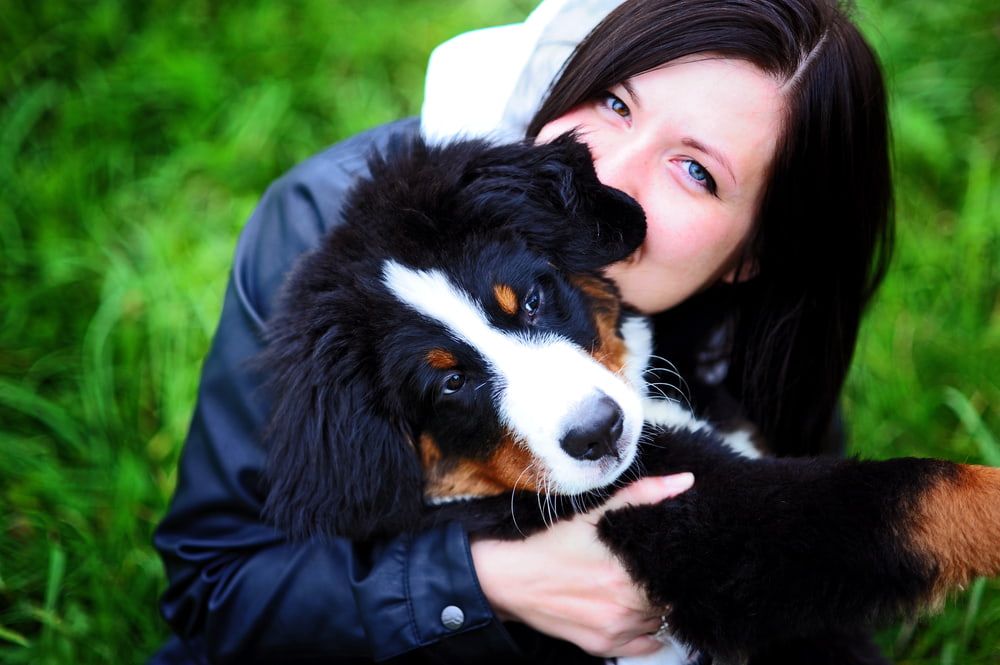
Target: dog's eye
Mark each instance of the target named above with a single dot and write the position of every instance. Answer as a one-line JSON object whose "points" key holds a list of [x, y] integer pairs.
{"points": [[532, 303], [453, 384]]}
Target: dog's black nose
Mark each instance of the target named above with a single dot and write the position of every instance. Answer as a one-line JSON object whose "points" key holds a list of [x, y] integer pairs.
{"points": [[598, 431]]}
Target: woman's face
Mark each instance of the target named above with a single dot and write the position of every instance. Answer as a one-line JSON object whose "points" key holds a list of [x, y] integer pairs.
{"points": [[692, 142]]}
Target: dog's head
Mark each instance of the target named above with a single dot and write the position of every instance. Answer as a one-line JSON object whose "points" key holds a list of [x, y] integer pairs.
{"points": [[453, 339]]}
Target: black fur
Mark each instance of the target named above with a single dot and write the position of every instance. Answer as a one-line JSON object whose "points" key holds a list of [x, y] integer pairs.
{"points": [[762, 556], [761, 553], [762, 560]]}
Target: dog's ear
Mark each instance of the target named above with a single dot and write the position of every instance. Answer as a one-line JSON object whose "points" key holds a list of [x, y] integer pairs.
{"points": [[551, 196], [603, 225], [338, 464]]}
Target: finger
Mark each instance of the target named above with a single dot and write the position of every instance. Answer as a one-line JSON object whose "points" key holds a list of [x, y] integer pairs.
{"points": [[651, 490], [640, 646], [651, 625]]}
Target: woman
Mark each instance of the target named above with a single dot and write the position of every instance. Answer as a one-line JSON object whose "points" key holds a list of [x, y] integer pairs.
{"points": [[754, 135]]}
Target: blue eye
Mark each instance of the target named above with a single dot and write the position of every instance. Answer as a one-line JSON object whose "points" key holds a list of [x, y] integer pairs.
{"points": [[700, 174], [697, 171]]}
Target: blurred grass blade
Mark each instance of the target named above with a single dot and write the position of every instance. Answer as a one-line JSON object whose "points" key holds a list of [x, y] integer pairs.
{"points": [[48, 615], [57, 572], [974, 425], [972, 612], [15, 638], [33, 405]]}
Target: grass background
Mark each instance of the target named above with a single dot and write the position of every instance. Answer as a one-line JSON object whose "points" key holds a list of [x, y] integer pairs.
{"points": [[135, 138]]}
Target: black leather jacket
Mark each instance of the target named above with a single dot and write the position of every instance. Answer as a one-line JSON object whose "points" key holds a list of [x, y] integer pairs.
{"points": [[238, 591]]}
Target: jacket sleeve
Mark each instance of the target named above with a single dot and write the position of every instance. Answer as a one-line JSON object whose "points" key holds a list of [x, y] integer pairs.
{"points": [[238, 591]]}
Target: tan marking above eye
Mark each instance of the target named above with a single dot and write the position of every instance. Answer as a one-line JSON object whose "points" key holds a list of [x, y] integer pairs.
{"points": [[441, 359], [506, 298]]}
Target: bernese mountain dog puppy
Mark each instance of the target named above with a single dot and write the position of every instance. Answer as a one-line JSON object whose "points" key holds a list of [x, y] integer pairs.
{"points": [[452, 351]]}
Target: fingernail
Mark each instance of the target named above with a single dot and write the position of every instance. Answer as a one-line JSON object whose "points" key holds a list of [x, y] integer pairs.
{"points": [[678, 483]]}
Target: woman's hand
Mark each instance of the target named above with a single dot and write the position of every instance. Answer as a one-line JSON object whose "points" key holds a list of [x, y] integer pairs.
{"points": [[564, 582]]}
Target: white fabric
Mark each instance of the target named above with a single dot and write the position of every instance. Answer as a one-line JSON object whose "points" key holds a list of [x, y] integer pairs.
{"points": [[488, 83]]}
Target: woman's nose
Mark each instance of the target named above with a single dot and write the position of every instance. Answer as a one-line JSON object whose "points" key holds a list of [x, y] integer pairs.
{"points": [[617, 166]]}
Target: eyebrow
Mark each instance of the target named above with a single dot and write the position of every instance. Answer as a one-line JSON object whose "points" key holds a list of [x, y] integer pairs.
{"points": [[714, 153], [631, 92], [689, 141]]}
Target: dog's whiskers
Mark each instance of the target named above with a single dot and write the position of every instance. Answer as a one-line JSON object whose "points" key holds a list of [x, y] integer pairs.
{"points": [[546, 506], [668, 368], [578, 504], [649, 438], [513, 494]]}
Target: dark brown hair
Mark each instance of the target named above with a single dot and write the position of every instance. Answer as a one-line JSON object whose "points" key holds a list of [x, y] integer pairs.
{"points": [[822, 238]]}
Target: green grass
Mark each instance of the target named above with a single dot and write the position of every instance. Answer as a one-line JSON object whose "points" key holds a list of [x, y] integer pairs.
{"points": [[926, 380], [135, 138]]}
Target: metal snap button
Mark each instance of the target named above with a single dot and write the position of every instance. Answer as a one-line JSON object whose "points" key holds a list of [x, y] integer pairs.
{"points": [[452, 617]]}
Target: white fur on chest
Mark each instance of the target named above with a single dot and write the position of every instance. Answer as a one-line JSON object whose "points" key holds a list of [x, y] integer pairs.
{"points": [[638, 334]]}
